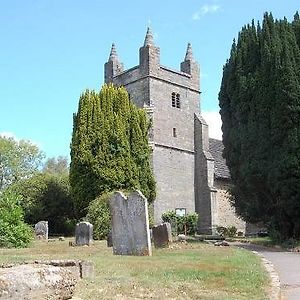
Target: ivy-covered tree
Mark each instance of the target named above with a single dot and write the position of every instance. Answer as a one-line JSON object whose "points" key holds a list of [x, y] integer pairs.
{"points": [[260, 109], [109, 148]]}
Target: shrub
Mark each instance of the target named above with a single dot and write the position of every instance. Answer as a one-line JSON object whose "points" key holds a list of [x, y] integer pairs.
{"points": [[230, 231], [99, 215], [14, 232], [180, 224], [170, 217], [191, 221]]}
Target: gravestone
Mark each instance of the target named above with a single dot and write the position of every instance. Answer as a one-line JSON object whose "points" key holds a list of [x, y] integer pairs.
{"points": [[130, 224], [41, 230], [83, 234], [162, 235]]}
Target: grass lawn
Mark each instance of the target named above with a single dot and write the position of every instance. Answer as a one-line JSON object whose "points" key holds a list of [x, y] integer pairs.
{"points": [[184, 271]]}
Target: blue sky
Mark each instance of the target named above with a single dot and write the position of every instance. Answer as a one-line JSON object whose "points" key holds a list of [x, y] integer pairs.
{"points": [[52, 50]]}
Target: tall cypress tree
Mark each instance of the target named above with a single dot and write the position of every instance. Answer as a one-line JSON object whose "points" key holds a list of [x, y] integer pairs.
{"points": [[109, 148], [260, 109]]}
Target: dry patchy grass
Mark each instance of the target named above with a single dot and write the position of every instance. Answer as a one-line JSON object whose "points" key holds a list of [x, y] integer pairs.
{"points": [[184, 271]]}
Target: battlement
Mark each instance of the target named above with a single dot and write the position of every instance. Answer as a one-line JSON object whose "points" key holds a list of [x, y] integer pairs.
{"points": [[149, 66]]}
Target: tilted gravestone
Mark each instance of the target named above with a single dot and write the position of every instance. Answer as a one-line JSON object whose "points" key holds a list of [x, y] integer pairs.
{"points": [[162, 235], [83, 234], [41, 230], [130, 224]]}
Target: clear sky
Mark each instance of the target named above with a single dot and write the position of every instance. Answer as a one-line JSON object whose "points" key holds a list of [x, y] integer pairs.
{"points": [[52, 50]]}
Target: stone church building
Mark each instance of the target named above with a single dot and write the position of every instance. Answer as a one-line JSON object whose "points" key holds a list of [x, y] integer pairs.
{"points": [[191, 175]]}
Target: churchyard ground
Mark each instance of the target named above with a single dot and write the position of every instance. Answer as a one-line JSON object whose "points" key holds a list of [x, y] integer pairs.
{"points": [[183, 271]]}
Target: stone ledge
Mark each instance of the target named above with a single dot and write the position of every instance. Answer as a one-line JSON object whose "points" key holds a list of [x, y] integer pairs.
{"points": [[42, 279], [82, 269]]}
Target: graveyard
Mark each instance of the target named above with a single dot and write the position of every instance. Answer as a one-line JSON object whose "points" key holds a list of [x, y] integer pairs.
{"points": [[184, 270]]}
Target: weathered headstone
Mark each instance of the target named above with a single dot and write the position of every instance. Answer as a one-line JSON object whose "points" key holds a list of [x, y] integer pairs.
{"points": [[130, 224], [87, 269], [162, 235], [41, 230], [83, 234]]}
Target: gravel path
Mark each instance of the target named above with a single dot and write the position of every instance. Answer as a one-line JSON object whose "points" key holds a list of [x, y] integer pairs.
{"points": [[286, 264]]}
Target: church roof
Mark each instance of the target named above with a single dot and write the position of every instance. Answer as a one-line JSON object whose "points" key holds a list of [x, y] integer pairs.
{"points": [[216, 149]]}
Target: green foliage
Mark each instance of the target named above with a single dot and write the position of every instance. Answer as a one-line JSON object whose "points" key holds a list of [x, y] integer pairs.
{"points": [[180, 224], [230, 231], [260, 110], [47, 197], [191, 221], [14, 232], [109, 148], [18, 160], [56, 166], [99, 215]]}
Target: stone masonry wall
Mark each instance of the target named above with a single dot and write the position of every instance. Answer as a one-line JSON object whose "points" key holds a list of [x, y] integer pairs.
{"points": [[226, 215], [174, 174], [166, 117]]}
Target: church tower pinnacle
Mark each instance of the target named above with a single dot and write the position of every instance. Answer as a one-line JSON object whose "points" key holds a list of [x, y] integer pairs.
{"points": [[148, 38], [113, 56], [149, 55], [189, 65], [189, 53], [113, 66]]}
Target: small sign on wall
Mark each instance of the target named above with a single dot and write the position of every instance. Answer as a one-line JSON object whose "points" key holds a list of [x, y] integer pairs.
{"points": [[181, 212]]}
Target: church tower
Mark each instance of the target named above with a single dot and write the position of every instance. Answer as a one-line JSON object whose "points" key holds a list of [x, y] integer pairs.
{"points": [[179, 135]]}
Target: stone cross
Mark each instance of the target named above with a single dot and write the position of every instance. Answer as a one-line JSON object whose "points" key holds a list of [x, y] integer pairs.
{"points": [[41, 230], [83, 234], [162, 235], [130, 224]]}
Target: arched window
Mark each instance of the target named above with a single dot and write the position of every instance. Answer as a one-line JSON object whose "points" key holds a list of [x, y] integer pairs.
{"points": [[173, 99], [176, 100]]}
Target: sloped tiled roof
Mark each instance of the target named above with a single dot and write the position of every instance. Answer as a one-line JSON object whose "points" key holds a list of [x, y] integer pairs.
{"points": [[216, 149]]}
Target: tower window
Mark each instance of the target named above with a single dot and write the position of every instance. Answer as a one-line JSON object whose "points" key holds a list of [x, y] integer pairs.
{"points": [[174, 132], [175, 100]]}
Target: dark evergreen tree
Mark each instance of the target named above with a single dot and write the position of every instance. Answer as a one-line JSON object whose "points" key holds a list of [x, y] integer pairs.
{"points": [[109, 149], [260, 109]]}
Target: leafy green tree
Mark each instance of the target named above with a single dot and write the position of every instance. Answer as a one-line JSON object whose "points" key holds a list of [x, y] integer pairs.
{"points": [[47, 197], [56, 166], [14, 232], [109, 148], [18, 160], [260, 110]]}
